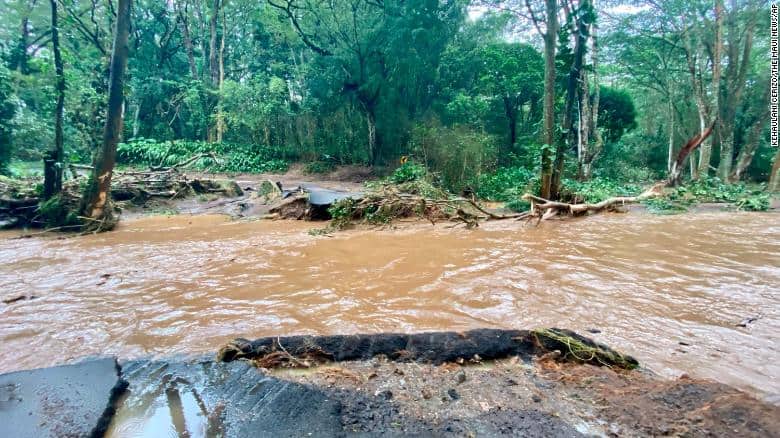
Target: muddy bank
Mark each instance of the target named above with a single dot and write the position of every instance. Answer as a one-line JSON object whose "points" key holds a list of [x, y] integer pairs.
{"points": [[527, 390]]}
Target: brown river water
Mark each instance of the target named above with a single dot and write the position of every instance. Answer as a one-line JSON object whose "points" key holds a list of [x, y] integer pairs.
{"points": [[187, 284]]}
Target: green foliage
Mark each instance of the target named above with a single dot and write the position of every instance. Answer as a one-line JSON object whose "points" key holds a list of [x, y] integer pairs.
{"points": [[56, 212], [408, 172], [234, 158], [454, 154], [319, 167], [595, 190], [506, 184], [7, 112], [664, 206], [741, 195], [617, 114]]}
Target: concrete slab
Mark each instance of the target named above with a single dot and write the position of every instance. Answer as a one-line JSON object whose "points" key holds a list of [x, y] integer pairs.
{"points": [[202, 398], [65, 401]]}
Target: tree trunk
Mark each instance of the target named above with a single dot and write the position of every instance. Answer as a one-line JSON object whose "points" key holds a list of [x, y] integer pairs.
{"points": [[581, 28], [53, 171], [585, 121], [371, 125], [510, 108], [774, 177], [671, 136], [213, 55], [220, 114], [706, 149], [678, 165], [95, 201], [214, 66], [550, 41], [736, 73], [761, 114], [20, 60], [187, 39], [598, 145]]}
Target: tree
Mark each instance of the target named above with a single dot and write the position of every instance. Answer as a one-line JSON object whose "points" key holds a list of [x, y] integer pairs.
{"points": [[513, 73], [7, 112], [95, 203], [372, 47], [54, 161], [580, 16], [741, 25]]}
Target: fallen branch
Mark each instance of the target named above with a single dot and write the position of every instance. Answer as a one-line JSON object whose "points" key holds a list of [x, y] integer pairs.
{"points": [[545, 209]]}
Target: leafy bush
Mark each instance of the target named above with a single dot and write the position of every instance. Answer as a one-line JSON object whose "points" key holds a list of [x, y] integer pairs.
{"points": [[455, 154], [409, 171], [714, 190], [595, 190], [319, 167], [234, 158], [506, 184], [7, 112], [664, 206]]}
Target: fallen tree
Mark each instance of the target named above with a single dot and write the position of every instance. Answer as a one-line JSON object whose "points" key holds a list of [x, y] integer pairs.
{"points": [[545, 209]]}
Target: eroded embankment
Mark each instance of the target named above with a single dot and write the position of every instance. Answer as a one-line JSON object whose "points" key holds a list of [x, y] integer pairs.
{"points": [[526, 389]]}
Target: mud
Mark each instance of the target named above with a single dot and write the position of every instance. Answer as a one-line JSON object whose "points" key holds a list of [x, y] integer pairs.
{"points": [[514, 397]]}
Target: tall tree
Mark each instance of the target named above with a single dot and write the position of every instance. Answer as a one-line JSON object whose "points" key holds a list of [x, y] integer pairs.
{"points": [[95, 203], [545, 19], [579, 16], [741, 25], [54, 161], [717, 50]]}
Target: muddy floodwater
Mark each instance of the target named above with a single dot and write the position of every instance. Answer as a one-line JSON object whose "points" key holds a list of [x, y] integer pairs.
{"points": [[671, 290]]}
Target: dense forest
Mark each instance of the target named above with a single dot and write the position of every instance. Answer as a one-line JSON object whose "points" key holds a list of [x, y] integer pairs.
{"points": [[496, 96]]}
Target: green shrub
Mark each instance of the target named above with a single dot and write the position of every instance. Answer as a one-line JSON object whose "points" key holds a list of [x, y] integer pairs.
{"points": [[595, 190], [664, 206], [409, 172], [319, 167], [454, 154], [233, 157], [56, 212], [714, 190], [506, 184]]}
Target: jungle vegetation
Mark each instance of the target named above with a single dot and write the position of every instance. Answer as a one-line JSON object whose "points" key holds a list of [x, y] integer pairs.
{"points": [[497, 97]]}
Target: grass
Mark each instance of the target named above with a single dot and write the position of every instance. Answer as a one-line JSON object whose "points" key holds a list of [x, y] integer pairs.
{"points": [[581, 350]]}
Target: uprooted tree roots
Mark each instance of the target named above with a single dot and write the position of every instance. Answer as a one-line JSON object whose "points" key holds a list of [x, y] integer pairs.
{"points": [[388, 202]]}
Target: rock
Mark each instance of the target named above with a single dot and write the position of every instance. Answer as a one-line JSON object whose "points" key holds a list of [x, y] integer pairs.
{"points": [[746, 321], [386, 394], [536, 398], [595, 331], [461, 377], [12, 300], [426, 394], [69, 400], [453, 394]]}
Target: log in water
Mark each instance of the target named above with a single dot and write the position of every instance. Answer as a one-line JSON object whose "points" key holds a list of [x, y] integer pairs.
{"points": [[674, 291]]}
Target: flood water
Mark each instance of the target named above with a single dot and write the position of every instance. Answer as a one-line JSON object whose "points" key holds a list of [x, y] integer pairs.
{"points": [[187, 284]]}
